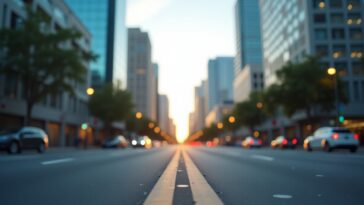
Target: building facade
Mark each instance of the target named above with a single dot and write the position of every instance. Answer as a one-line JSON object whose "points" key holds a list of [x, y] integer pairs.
{"points": [[220, 81], [59, 115], [333, 30], [163, 119], [197, 117], [249, 57], [140, 76], [106, 22]]}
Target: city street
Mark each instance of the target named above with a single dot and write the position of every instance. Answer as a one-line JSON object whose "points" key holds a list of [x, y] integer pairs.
{"points": [[233, 175]]}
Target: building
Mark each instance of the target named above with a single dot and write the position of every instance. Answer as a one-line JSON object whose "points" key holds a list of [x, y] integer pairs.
{"points": [[106, 22], [220, 81], [333, 30], [217, 114], [141, 78], [172, 128], [60, 115], [197, 118], [154, 92], [248, 59], [163, 119]]}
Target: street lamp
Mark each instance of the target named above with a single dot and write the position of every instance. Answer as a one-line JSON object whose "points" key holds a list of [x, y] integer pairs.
{"points": [[220, 125], [90, 91], [259, 105], [151, 125], [332, 72], [232, 119], [157, 130], [138, 115]]}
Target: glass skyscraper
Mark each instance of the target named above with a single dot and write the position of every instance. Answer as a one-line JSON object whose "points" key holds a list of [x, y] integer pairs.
{"points": [[106, 21], [248, 38]]}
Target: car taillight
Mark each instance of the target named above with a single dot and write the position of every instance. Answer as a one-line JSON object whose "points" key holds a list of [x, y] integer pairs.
{"points": [[294, 141], [356, 136], [335, 136], [285, 142], [251, 142], [260, 142]]}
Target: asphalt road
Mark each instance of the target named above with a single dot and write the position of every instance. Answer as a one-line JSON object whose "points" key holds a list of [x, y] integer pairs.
{"points": [[81, 177], [238, 176], [265, 176]]}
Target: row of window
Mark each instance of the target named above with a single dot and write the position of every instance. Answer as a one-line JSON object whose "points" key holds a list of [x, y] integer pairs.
{"points": [[338, 34], [338, 51], [342, 67], [338, 18], [337, 4]]}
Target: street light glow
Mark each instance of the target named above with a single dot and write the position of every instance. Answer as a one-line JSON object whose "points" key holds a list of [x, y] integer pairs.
{"points": [[151, 125], [220, 125], [90, 91], [259, 105], [331, 71], [139, 115], [157, 130], [232, 119]]}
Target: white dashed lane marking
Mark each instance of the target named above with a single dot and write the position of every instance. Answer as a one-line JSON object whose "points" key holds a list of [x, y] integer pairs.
{"points": [[58, 161], [262, 157], [282, 196]]}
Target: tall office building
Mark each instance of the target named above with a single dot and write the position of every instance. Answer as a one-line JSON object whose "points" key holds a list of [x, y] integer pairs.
{"points": [[197, 118], [248, 59], [163, 118], [331, 29], [60, 115], [140, 72], [220, 81], [154, 92], [106, 21]]}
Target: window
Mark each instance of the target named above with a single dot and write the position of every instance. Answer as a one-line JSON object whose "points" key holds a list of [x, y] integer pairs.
{"points": [[346, 89], [337, 18], [353, 4], [356, 91], [324, 65], [321, 34], [358, 69], [339, 51], [15, 21], [356, 34], [336, 3], [319, 4], [338, 33], [320, 18], [322, 50], [342, 68], [354, 18], [356, 51]]}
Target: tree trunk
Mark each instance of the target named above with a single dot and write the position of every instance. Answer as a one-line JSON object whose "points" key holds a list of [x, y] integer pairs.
{"points": [[28, 114]]}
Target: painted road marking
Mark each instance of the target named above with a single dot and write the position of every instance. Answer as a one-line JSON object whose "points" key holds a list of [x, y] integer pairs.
{"points": [[202, 192], [163, 190], [319, 175], [182, 186], [57, 161], [282, 196], [262, 157]]}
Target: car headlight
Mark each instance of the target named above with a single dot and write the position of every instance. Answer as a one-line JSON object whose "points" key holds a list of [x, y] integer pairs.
{"points": [[142, 142], [134, 142]]}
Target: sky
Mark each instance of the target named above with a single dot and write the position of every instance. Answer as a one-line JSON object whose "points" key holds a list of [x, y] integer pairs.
{"points": [[185, 34]]}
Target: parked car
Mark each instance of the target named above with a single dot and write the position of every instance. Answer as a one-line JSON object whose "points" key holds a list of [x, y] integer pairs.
{"points": [[16, 140], [118, 141], [284, 142], [330, 138], [143, 141], [251, 142]]}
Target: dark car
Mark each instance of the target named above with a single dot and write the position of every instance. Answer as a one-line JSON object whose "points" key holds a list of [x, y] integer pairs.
{"points": [[16, 140], [118, 141], [284, 142], [143, 142]]}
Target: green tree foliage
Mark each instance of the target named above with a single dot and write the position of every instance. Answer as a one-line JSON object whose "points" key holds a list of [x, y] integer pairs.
{"points": [[250, 113], [305, 85], [110, 104], [45, 61]]}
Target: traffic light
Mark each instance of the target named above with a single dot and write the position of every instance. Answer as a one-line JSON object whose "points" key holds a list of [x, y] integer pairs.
{"points": [[341, 119]]}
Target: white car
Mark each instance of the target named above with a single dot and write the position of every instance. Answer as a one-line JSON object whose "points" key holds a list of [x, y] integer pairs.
{"points": [[251, 142], [330, 138]]}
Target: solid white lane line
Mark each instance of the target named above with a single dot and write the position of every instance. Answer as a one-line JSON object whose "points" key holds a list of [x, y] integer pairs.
{"points": [[319, 175], [57, 161], [262, 157], [163, 190], [202, 192]]}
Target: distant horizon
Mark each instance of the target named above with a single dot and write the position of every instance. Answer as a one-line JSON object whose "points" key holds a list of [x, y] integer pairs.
{"points": [[187, 26]]}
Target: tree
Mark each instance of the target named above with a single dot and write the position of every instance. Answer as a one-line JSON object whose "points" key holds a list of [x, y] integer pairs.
{"points": [[41, 59], [110, 104], [250, 113], [305, 85]]}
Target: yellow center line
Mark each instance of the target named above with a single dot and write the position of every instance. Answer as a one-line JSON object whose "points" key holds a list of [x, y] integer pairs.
{"points": [[201, 191], [163, 190]]}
